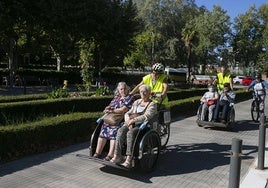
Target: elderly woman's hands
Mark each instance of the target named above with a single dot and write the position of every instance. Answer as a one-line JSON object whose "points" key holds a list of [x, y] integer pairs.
{"points": [[129, 123], [109, 109], [106, 111]]}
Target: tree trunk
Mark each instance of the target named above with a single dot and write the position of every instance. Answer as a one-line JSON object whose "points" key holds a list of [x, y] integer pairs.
{"points": [[58, 63], [11, 61], [99, 73], [189, 60], [58, 58]]}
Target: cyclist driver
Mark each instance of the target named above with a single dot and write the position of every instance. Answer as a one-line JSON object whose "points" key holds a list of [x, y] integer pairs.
{"points": [[259, 86], [157, 81], [223, 77]]}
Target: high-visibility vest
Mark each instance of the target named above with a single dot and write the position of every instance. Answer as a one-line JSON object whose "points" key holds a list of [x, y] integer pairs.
{"points": [[157, 87], [222, 80]]}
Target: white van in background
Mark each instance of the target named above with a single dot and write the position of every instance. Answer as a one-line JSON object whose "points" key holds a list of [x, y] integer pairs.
{"points": [[176, 75], [203, 79]]}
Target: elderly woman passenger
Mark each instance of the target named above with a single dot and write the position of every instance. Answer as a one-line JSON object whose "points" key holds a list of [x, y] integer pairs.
{"points": [[209, 102], [121, 103], [146, 110]]}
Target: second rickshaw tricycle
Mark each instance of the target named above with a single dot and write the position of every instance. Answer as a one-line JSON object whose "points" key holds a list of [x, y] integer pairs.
{"points": [[230, 118]]}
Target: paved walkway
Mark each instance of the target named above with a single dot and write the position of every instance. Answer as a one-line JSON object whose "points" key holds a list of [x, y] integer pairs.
{"points": [[256, 178], [195, 158]]}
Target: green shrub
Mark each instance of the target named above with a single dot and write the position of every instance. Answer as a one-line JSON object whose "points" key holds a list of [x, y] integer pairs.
{"points": [[102, 91], [22, 112], [112, 69], [25, 111], [46, 134], [58, 93], [19, 98]]}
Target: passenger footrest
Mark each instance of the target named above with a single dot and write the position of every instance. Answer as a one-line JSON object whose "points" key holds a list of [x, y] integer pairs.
{"points": [[101, 161]]}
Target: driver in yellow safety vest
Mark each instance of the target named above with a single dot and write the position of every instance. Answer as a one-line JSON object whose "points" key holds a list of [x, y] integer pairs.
{"points": [[157, 80], [223, 77]]}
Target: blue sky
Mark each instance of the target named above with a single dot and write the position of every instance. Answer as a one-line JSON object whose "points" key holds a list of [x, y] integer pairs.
{"points": [[233, 7]]}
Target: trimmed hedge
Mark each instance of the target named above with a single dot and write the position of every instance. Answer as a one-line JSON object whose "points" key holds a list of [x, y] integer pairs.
{"points": [[185, 93], [20, 98], [45, 135], [19, 112], [25, 111]]}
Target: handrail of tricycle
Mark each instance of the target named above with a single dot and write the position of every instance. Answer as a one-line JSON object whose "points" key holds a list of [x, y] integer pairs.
{"points": [[143, 125]]}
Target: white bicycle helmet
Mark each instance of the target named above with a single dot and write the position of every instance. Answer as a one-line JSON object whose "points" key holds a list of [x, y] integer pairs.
{"points": [[158, 67]]}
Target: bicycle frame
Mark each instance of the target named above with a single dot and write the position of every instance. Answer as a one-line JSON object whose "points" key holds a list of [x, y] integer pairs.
{"points": [[255, 107], [256, 97]]}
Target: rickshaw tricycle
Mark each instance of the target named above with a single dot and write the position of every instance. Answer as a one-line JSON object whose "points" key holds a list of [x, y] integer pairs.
{"points": [[151, 138]]}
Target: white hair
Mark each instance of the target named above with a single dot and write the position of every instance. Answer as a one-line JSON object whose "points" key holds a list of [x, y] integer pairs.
{"points": [[147, 88], [116, 92]]}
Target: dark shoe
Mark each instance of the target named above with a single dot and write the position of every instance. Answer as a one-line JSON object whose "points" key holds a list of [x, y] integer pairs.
{"points": [[108, 158], [223, 121]]}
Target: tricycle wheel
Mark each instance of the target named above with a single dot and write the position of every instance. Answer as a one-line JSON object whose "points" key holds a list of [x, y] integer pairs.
{"points": [[164, 134], [150, 148], [199, 115]]}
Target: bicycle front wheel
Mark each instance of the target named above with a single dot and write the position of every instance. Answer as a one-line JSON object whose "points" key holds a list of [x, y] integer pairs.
{"points": [[255, 114], [164, 134]]}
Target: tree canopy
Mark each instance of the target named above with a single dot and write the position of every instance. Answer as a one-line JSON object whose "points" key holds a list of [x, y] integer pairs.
{"points": [[131, 33]]}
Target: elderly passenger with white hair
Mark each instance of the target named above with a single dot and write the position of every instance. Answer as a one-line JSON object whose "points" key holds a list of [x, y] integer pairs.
{"points": [[144, 110], [121, 103]]}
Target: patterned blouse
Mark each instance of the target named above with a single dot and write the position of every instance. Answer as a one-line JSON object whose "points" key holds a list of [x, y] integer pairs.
{"points": [[108, 131]]}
